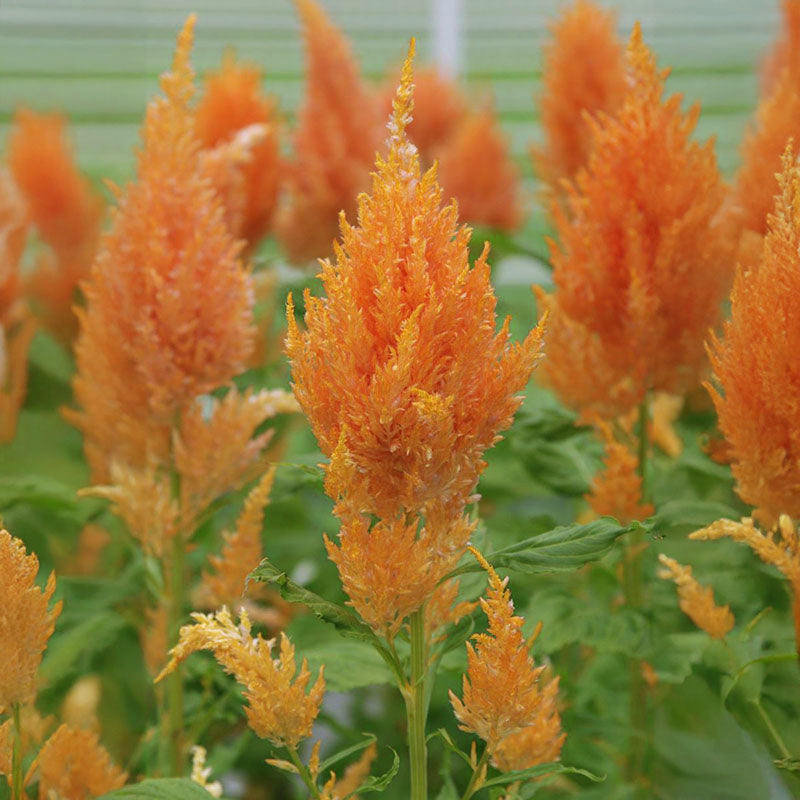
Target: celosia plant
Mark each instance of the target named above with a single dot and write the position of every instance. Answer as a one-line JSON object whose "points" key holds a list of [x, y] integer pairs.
{"points": [[65, 211], [696, 600], [503, 701], [476, 170], [640, 270], [583, 73], [16, 323], [335, 141], [231, 102], [168, 313]]}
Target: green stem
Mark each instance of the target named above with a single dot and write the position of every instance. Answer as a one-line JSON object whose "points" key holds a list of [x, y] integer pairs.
{"points": [[778, 739], [16, 757], [632, 583], [415, 709], [305, 775], [174, 689], [476, 781]]}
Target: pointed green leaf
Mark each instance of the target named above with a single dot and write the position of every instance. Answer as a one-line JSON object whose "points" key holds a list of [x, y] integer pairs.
{"points": [[160, 789]]}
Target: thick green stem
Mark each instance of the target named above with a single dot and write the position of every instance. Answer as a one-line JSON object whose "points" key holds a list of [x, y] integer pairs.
{"points": [[173, 730], [632, 582], [16, 758], [478, 775], [304, 774], [415, 709]]}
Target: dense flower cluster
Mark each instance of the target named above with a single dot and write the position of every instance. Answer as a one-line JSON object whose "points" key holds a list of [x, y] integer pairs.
{"points": [[639, 266]]}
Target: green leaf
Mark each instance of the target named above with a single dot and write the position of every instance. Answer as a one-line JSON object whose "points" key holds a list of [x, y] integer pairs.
{"points": [[160, 789], [451, 746], [35, 490], [65, 653], [348, 751], [553, 768], [675, 515], [378, 783], [564, 548], [341, 617], [339, 657]]}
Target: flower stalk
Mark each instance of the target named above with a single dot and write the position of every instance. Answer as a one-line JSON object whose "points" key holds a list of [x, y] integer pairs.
{"points": [[416, 709], [173, 729], [16, 757]]}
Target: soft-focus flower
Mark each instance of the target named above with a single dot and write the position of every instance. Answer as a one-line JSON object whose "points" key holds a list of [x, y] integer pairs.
{"points": [[779, 547], [233, 101], [502, 694], [355, 774], [696, 600], [785, 52], [439, 107], [616, 491], [73, 765], [755, 364], [401, 372], [26, 622], [168, 313], [241, 550], [16, 323], [583, 73], [640, 265], [201, 773], [34, 729], [279, 709], [334, 144], [63, 207], [751, 200], [477, 170]]}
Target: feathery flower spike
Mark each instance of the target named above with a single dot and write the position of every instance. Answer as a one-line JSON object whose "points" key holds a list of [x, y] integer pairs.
{"points": [[169, 303], [439, 107], [583, 73], [400, 370], [617, 490], [755, 364], [334, 144], [73, 765], [696, 600], [16, 323], [640, 263], [279, 708], [781, 551], [502, 696], [785, 52], [232, 102], [64, 209], [476, 169], [25, 624]]}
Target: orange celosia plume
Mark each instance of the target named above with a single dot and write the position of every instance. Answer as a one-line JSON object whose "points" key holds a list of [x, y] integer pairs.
{"points": [[583, 73], [777, 120], [65, 210], [502, 696], [779, 547], [401, 372], [640, 266], [758, 400], [439, 107], [696, 600], [16, 323], [73, 765], [279, 707], [232, 101], [335, 142], [616, 491], [405, 381], [26, 622], [785, 52], [476, 169], [168, 312]]}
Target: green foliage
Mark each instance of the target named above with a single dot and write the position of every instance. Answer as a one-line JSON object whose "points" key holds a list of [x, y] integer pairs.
{"points": [[160, 789]]}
